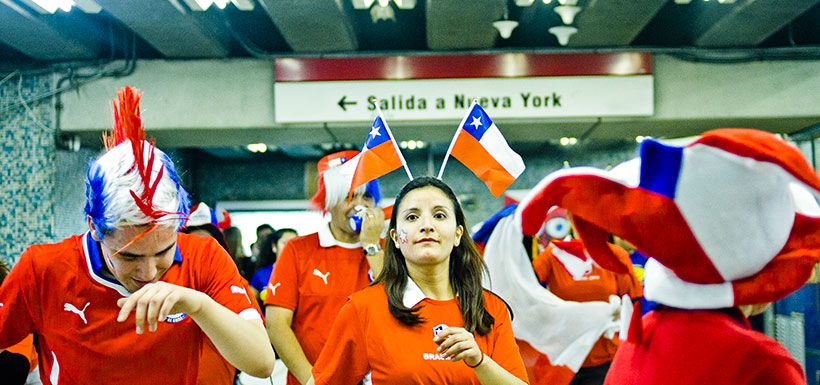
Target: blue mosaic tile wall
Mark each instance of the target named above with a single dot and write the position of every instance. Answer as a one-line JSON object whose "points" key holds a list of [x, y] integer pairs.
{"points": [[27, 172], [69, 192]]}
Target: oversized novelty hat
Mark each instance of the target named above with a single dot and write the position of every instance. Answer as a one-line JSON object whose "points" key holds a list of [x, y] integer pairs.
{"points": [[334, 181], [202, 214], [730, 219]]}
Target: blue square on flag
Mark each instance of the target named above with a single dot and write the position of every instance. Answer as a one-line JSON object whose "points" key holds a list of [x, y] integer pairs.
{"points": [[377, 135], [478, 122]]}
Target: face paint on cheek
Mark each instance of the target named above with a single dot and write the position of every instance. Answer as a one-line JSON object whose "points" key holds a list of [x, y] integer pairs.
{"points": [[403, 237]]}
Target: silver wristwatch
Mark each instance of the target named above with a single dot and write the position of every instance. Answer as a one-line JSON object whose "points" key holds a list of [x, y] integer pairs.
{"points": [[372, 248]]}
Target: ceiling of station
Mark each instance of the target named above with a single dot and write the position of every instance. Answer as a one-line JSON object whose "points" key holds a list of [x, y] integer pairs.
{"points": [[107, 30]]}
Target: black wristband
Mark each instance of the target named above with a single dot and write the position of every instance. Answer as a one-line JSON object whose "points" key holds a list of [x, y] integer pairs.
{"points": [[476, 365]]}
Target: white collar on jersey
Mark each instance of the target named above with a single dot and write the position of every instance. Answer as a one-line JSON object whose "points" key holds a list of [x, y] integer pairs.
{"points": [[412, 294], [92, 257], [326, 238]]}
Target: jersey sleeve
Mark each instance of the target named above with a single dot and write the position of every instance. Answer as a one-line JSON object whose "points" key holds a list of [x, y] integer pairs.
{"points": [[542, 266], [283, 285], [343, 360], [18, 302], [505, 350], [223, 282]]}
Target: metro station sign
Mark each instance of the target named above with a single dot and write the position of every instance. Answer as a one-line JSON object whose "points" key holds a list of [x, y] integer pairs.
{"points": [[442, 87]]}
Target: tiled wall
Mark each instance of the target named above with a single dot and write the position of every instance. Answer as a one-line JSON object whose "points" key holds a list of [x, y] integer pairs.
{"points": [[27, 159], [69, 192]]}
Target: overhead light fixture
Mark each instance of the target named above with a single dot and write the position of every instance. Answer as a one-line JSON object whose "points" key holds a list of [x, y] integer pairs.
{"points": [[412, 144], [382, 13], [568, 2], [568, 141], [400, 4], [641, 138], [505, 26], [257, 148], [68, 142], [563, 33], [50, 6], [567, 12], [524, 3], [202, 5]]}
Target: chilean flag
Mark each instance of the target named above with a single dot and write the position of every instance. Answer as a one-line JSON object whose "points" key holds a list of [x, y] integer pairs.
{"points": [[479, 145], [379, 156]]}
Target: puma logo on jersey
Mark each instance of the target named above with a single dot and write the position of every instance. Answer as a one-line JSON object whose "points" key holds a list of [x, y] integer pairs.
{"points": [[273, 287], [319, 274], [240, 290], [73, 309]]}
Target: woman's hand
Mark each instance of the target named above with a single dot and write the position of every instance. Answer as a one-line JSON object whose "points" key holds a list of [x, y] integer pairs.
{"points": [[456, 344], [155, 301]]}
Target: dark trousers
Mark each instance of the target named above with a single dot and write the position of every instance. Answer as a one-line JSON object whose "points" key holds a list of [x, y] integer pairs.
{"points": [[593, 375], [13, 368]]}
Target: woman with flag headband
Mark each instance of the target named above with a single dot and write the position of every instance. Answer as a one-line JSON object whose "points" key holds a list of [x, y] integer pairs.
{"points": [[426, 319], [730, 219], [78, 295], [428, 298]]}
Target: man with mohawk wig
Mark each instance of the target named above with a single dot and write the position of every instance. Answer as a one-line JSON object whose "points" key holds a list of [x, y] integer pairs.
{"points": [[129, 301], [315, 274]]}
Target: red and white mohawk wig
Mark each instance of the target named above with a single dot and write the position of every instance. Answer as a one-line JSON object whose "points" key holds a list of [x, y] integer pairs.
{"points": [[133, 183]]}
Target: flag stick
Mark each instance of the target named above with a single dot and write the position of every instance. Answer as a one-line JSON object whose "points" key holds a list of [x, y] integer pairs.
{"points": [[453, 142], [393, 140]]}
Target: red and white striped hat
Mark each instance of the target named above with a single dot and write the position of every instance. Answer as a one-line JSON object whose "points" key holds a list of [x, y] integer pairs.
{"points": [[729, 219]]}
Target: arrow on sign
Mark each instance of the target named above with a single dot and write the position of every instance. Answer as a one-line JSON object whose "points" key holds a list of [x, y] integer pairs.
{"points": [[344, 103]]}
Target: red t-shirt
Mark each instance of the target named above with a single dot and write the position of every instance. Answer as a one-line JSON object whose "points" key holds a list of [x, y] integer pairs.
{"points": [[57, 292], [714, 347], [314, 281], [596, 285], [366, 338]]}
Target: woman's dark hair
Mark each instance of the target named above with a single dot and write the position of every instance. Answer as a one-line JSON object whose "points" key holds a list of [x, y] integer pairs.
{"points": [[233, 238], [211, 230], [267, 256], [466, 269]]}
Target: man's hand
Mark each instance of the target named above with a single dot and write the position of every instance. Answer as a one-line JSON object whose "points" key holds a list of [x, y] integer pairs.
{"points": [[372, 226], [155, 301]]}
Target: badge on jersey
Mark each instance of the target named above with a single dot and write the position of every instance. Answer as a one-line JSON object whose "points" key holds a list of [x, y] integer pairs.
{"points": [[438, 329], [176, 318]]}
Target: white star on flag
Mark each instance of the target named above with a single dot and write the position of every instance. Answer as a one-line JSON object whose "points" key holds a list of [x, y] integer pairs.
{"points": [[374, 132], [476, 122]]}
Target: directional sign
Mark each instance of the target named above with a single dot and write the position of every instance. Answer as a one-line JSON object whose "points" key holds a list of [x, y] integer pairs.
{"points": [[442, 87], [343, 103], [434, 99]]}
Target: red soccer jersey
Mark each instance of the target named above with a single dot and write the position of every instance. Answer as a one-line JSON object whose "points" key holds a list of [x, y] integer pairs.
{"points": [[366, 338], [596, 285], [314, 276], [57, 292], [711, 347]]}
